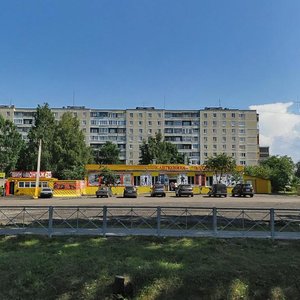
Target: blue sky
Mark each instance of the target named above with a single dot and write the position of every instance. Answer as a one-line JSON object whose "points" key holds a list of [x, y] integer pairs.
{"points": [[186, 54], [173, 54]]}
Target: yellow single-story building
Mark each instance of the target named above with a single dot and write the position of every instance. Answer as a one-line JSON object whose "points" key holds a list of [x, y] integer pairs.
{"points": [[144, 176]]}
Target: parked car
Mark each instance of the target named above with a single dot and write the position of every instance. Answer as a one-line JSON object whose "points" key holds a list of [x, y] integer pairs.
{"points": [[130, 191], [104, 191], [218, 190], [242, 189], [184, 190], [158, 190], [46, 192]]}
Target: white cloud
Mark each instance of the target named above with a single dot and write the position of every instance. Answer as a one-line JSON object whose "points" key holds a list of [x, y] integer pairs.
{"points": [[279, 129]]}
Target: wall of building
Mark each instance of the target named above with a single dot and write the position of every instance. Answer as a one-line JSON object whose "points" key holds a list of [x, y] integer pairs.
{"points": [[198, 134]]}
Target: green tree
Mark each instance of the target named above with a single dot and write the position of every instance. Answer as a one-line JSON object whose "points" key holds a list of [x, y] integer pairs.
{"points": [[297, 172], [10, 145], [220, 165], [258, 171], [70, 153], [108, 177], [160, 151], [44, 128], [282, 171], [108, 154]]}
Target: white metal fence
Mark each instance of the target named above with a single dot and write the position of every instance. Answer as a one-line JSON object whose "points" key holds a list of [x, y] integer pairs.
{"points": [[151, 221]]}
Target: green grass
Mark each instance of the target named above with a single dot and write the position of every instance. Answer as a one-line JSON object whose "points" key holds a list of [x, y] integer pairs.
{"points": [[166, 268]]}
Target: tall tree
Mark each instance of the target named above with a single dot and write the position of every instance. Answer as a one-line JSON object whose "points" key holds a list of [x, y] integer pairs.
{"points": [[220, 165], [258, 171], [108, 154], [282, 171], [160, 151], [10, 145], [297, 172], [70, 153], [44, 128]]}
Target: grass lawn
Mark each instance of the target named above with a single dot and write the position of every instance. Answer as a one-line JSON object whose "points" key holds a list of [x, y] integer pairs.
{"points": [[167, 268]]}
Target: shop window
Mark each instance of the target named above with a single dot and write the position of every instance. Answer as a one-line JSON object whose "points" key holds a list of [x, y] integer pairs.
{"points": [[137, 180], [191, 180], [21, 184]]}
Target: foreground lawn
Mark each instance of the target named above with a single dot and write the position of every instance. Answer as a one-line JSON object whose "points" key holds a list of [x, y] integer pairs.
{"points": [[84, 268]]}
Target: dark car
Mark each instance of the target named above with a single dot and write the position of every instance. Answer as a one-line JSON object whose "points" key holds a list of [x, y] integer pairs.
{"points": [[130, 191], [218, 190], [184, 190], [46, 192], [158, 190], [242, 189], [104, 191]]}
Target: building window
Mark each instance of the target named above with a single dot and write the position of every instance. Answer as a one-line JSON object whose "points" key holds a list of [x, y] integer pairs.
{"points": [[214, 138], [205, 123], [140, 115], [224, 139], [150, 123], [215, 147], [233, 115], [204, 131], [140, 123], [140, 130], [205, 115], [224, 147], [215, 123], [131, 123], [159, 115], [233, 147], [215, 131], [131, 131], [233, 131], [131, 115], [224, 115], [214, 115], [242, 162], [149, 115], [232, 123], [224, 131], [205, 139]]}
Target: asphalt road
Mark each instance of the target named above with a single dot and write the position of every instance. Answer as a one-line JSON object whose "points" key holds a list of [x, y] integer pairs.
{"points": [[258, 201]]}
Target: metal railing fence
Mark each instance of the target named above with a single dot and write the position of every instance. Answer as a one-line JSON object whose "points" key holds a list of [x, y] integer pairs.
{"points": [[151, 221]]}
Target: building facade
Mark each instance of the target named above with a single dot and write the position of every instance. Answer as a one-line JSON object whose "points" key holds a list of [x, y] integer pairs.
{"points": [[198, 134]]}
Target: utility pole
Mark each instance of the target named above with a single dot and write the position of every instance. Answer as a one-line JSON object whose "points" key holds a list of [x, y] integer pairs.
{"points": [[37, 178]]}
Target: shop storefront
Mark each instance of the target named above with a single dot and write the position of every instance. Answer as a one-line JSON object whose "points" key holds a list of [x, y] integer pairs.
{"points": [[145, 176]]}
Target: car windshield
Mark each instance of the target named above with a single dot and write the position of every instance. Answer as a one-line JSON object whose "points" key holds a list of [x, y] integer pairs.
{"points": [[186, 187], [130, 188], [159, 186]]}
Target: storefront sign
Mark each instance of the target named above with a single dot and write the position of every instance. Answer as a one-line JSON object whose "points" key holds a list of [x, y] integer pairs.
{"points": [[31, 174]]}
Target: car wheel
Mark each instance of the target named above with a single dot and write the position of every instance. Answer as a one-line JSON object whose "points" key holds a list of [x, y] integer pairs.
{"points": [[97, 196], [251, 196], [192, 195]]}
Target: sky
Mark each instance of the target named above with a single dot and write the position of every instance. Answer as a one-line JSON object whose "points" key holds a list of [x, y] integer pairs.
{"points": [[172, 54]]}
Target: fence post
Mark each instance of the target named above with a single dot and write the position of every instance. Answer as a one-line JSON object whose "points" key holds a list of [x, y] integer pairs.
{"points": [[272, 223], [215, 224], [158, 220], [50, 221], [104, 225]]}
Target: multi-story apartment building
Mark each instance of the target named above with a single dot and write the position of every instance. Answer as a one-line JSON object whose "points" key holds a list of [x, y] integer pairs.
{"points": [[198, 134]]}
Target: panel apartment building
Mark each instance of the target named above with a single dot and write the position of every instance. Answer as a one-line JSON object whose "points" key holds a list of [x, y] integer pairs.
{"points": [[198, 134]]}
